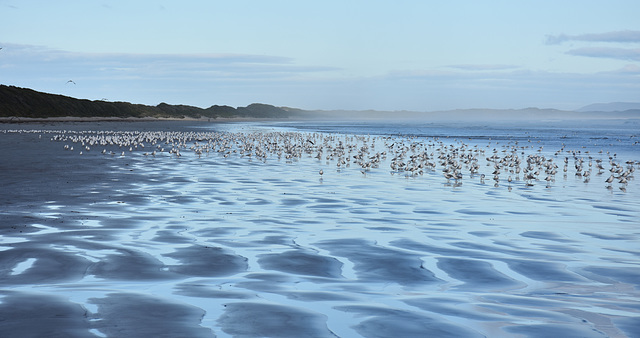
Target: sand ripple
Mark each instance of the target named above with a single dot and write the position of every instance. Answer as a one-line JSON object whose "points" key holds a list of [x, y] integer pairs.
{"points": [[237, 243]]}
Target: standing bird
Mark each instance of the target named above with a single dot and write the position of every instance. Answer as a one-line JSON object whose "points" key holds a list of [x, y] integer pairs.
{"points": [[610, 179]]}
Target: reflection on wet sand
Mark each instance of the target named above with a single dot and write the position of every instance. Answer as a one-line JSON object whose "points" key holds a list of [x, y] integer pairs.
{"points": [[233, 233]]}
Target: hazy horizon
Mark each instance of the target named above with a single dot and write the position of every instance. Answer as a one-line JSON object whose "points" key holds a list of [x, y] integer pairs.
{"points": [[410, 56]]}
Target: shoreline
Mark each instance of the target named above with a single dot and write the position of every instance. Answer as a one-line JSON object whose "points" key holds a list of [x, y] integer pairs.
{"points": [[423, 119]]}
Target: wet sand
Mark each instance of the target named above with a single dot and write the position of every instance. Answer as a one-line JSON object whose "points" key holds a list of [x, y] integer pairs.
{"points": [[204, 245]]}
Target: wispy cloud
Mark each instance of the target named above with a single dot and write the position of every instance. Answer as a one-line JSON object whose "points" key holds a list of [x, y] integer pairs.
{"points": [[11, 6], [444, 88], [483, 67], [629, 69], [240, 79], [200, 79], [44, 54], [609, 53], [626, 36], [176, 66]]}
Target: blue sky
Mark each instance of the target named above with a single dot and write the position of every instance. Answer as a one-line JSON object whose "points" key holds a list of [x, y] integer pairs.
{"points": [[387, 55]]}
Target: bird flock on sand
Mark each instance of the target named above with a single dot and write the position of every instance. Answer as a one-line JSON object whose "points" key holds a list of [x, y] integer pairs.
{"points": [[412, 157]]}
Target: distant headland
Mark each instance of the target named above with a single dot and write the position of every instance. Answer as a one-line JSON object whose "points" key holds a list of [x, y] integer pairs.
{"points": [[27, 103], [19, 104]]}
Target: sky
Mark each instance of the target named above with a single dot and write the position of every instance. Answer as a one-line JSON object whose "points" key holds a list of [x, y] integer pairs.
{"points": [[417, 55]]}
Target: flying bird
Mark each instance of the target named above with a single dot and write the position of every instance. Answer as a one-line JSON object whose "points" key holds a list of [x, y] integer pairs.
{"points": [[71, 81]]}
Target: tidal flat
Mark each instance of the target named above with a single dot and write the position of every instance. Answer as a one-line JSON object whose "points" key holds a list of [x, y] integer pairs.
{"points": [[304, 229]]}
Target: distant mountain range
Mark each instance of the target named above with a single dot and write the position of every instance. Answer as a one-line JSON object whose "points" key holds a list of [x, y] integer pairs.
{"points": [[17, 103], [610, 107]]}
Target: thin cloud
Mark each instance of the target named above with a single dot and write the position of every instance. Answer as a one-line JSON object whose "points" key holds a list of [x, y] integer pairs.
{"points": [[462, 71], [238, 80], [608, 53], [483, 67], [418, 74], [46, 53], [629, 69], [626, 36], [188, 66], [195, 79]]}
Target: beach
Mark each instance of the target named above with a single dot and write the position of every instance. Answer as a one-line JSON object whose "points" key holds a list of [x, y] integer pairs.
{"points": [[285, 229]]}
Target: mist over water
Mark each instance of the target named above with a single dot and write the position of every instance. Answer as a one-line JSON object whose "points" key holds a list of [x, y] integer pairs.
{"points": [[250, 242], [605, 134]]}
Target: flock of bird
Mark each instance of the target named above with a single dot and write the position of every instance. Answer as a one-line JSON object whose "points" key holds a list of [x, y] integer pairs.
{"points": [[408, 156]]}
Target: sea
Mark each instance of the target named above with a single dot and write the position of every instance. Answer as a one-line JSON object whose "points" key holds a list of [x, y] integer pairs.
{"points": [[320, 229]]}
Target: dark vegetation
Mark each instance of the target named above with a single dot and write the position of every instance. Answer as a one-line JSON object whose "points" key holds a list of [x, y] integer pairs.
{"points": [[19, 103], [24, 102]]}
